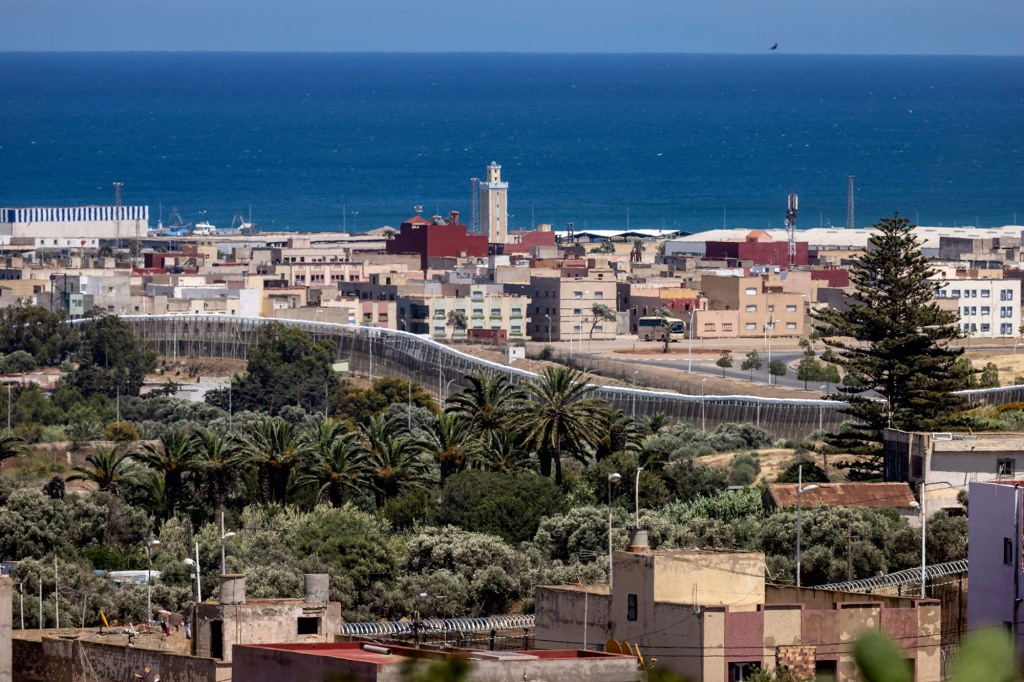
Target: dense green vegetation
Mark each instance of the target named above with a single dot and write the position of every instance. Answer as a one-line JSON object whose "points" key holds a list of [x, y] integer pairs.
{"points": [[503, 489]]}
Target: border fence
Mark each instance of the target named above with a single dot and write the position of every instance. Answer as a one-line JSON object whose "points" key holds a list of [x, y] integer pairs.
{"points": [[374, 352]]}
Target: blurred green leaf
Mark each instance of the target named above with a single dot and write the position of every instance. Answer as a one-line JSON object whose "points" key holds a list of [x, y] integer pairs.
{"points": [[880, 660], [986, 656]]}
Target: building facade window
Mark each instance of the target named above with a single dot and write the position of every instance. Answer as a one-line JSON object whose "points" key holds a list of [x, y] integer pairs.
{"points": [[631, 607], [1005, 467], [751, 291], [751, 308], [1008, 551]]}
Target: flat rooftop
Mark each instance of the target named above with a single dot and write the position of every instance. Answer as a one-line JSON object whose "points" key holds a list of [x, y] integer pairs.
{"points": [[357, 651]]}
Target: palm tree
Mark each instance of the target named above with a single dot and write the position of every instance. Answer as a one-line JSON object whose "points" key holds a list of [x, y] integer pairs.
{"points": [[217, 457], [11, 447], [618, 434], [560, 411], [109, 468], [488, 403], [173, 457], [450, 440], [501, 453], [654, 423], [393, 457], [275, 447], [336, 466]]}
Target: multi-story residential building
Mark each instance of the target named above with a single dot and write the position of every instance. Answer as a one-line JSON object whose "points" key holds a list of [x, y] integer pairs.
{"points": [[644, 299], [988, 308], [561, 305], [437, 238], [485, 308], [763, 306], [994, 533]]}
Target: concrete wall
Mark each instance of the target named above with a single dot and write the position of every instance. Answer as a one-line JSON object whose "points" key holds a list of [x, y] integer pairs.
{"points": [[560, 619], [5, 629], [255, 664], [58, 660], [262, 622]]}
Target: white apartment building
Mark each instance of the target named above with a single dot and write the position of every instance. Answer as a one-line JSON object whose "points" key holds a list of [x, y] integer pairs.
{"points": [[988, 308]]}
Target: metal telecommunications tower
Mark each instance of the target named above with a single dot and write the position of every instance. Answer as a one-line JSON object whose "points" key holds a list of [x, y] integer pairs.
{"points": [[791, 228], [474, 203], [849, 206]]}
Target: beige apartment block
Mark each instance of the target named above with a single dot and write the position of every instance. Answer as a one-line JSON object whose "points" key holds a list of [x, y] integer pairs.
{"points": [[764, 307], [561, 306], [323, 274], [716, 324], [709, 616], [484, 308]]}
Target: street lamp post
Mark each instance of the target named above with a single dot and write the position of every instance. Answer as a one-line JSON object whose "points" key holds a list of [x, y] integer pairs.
{"points": [[800, 490], [636, 491], [821, 410], [224, 537], [150, 546], [703, 422], [614, 477], [634, 393], [689, 361], [194, 565]]}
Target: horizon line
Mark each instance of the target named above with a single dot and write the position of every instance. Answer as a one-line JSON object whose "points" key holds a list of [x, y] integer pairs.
{"points": [[766, 52]]}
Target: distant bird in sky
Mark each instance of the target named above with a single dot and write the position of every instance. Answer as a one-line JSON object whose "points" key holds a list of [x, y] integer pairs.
{"points": [[774, 47]]}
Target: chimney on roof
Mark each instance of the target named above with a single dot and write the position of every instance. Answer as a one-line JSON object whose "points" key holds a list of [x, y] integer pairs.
{"points": [[638, 541], [317, 587], [453, 218]]}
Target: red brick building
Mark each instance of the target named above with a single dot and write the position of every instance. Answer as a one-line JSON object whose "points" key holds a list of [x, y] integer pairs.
{"points": [[432, 240], [759, 248]]}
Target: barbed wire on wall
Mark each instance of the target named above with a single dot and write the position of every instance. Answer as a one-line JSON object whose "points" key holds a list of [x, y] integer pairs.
{"points": [[374, 352]]}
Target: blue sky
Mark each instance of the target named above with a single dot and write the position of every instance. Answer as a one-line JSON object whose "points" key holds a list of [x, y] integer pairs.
{"points": [[962, 27]]}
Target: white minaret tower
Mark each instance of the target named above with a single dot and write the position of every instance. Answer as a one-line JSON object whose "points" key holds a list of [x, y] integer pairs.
{"points": [[494, 205]]}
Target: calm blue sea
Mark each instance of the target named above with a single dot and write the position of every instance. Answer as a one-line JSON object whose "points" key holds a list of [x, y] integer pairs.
{"points": [[318, 141]]}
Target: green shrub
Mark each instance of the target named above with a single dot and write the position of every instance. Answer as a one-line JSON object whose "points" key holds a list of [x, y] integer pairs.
{"points": [[121, 432], [510, 506]]}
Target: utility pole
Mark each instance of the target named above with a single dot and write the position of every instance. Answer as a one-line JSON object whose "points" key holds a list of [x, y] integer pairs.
{"points": [[850, 224], [117, 210]]}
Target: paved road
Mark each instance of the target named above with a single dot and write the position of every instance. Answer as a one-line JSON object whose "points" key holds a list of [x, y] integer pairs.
{"points": [[705, 366]]}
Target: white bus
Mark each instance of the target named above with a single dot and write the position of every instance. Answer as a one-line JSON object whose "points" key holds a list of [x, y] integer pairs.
{"points": [[657, 328]]}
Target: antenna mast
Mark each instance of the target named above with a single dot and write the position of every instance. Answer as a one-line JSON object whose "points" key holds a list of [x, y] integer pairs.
{"points": [[117, 210], [849, 206], [791, 228]]}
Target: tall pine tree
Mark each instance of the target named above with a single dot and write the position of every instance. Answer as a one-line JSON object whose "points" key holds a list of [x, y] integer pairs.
{"points": [[893, 341]]}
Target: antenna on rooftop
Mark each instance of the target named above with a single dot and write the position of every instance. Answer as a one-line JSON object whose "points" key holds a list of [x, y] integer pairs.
{"points": [[849, 205], [791, 228]]}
